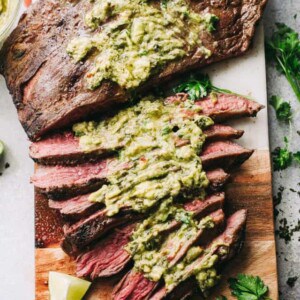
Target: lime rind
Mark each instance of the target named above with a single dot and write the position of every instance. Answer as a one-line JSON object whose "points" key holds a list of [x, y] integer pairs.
{"points": [[1, 149], [67, 287]]}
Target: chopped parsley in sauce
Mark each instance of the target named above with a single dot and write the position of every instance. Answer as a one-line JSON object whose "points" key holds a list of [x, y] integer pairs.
{"points": [[129, 39]]}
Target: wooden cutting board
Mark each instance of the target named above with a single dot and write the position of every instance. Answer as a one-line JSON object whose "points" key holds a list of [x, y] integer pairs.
{"points": [[250, 188]]}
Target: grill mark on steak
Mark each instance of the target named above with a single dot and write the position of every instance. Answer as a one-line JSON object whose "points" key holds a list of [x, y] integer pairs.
{"points": [[233, 236], [59, 182], [47, 86], [88, 230], [203, 236], [63, 148]]}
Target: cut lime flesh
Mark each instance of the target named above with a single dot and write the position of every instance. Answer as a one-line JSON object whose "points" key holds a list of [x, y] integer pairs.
{"points": [[66, 287]]}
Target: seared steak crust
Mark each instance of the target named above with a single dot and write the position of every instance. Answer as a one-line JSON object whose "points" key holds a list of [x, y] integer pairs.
{"points": [[48, 87]]}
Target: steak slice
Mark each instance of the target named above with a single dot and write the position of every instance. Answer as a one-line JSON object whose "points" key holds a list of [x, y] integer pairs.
{"points": [[108, 257], [225, 154], [232, 237], [229, 106], [59, 182], [63, 148], [203, 235], [85, 231], [75, 208], [222, 132], [48, 87]]}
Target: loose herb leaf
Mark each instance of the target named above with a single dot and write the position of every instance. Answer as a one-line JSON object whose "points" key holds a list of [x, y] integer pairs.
{"points": [[291, 281], [282, 157], [221, 298], [283, 48], [199, 86], [247, 287], [297, 156], [282, 108]]}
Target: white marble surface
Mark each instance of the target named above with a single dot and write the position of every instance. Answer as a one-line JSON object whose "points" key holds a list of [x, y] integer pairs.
{"points": [[288, 254]]}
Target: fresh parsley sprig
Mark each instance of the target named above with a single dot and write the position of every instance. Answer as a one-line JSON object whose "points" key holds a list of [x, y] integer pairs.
{"points": [[199, 86], [247, 287], [282, 157], [284, 49], [282, 108]]}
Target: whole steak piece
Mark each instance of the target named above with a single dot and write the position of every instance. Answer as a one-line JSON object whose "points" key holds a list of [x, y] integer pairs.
{"points": [[48, 86]]}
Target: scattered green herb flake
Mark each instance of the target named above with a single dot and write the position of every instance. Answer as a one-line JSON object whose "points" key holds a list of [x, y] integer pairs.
{"points": [[213, 23], [199, 86], [282, 108], [283, 48], [285, 231], [247, 287], [291, 281], [277, 199], [282, 157], [221, 298], [297, 156]]}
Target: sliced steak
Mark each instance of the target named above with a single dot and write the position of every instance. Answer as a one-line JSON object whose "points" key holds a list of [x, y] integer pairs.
{"points": [[224, 154], [232, 237], [84, 232], [88, 230], [79, 207], [63, 148], [108, 257], [59, 182], [222, 132], [229, 107], [205, 235], [48, 87], [75, 208], [217, 179], [133, 286]]}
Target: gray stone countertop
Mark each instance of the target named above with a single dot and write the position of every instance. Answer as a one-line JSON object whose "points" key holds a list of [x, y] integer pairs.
{"points": [[288, 253]]}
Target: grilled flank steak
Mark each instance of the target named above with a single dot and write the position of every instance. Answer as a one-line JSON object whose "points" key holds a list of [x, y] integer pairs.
{"points": [[51, 88]]}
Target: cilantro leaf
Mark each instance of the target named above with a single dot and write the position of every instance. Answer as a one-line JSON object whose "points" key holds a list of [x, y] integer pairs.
{"points": [[198, 86], [283, 48], [282, 108], [282, 157], [297, 156], [247, 287]]}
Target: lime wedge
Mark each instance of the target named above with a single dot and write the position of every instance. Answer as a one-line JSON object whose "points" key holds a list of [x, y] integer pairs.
{"points": [[66, 287], [1, 149]]}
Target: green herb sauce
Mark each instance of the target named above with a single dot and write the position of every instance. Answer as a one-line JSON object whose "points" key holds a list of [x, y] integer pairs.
{"points": [[160, 143], [136, 37]]}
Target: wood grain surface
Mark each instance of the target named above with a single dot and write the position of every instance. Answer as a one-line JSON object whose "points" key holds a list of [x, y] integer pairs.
{"points": [[250, 188]]}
